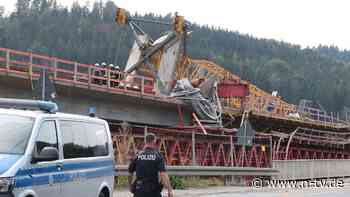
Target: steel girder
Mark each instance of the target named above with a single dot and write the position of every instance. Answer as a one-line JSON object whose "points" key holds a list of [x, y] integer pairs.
{"points": [[178, 150]]}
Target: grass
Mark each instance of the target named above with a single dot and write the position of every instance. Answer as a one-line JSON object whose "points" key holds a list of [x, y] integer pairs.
{"points": [[182, 182], [201, 182]]}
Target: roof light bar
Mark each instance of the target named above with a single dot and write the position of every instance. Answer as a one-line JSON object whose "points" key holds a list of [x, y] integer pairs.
{"points": [[46, 106]]}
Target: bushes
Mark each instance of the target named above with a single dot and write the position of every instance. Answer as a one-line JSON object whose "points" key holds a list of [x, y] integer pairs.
{"points": [[195, 182], [201, 182], [121, 181], [177, 182], [182, 182]]}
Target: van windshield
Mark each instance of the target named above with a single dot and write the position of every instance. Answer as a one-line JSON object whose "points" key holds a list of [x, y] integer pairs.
{"points": [[14, 133]]}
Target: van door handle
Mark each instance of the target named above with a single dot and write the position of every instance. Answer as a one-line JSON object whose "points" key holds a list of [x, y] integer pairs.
{"points": [[59, 166]]}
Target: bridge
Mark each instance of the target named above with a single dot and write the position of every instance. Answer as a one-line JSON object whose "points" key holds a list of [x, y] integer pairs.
{"points": [[76, 91], [132, 109]]}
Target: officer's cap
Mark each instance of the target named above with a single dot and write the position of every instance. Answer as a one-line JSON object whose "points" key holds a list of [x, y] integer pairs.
{"points": [[150, 137]]}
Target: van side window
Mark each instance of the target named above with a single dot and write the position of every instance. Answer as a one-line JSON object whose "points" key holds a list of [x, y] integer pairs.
{"points": [[74, 139], [82, 139], [47, 136], [98, 140]]}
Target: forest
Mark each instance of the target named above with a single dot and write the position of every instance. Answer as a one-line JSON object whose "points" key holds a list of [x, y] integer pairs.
{"points": [[88, 34]]}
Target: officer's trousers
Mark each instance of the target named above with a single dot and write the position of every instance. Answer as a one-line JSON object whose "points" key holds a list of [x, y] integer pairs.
{"points": [[144, 194]]}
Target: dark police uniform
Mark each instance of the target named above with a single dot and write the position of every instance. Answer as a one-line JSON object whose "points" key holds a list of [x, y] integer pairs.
{"points": [[147, 164]]}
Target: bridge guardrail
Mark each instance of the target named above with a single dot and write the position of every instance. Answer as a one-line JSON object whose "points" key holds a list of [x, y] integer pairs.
{"points": [[210, 171], [29, 66], [311, 169]]}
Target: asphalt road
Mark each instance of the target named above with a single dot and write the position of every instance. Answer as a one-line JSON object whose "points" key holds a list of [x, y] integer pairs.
{"points": [[249, 192], [284, 194]]}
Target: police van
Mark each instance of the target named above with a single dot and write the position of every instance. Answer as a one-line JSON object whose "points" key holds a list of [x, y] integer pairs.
{"points": [[49, 154]]}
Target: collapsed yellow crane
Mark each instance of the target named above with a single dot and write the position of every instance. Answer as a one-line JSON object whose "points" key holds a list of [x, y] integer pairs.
{"points": [[149, 58], [166, 60]]}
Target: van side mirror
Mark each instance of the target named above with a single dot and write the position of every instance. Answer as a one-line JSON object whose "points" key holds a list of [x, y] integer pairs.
{"points": [[46, 154]]}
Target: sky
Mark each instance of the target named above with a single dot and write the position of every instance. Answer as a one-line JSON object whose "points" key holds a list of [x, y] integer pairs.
{"points": [[302, 22]]}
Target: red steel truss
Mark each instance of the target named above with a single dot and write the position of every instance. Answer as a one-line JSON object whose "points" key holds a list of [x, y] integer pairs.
{"points": [[296, 153], [209, 150], [304, 143]]}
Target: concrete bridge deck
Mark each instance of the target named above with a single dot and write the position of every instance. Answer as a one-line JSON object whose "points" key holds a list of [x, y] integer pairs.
{"points": [[110, 106]]}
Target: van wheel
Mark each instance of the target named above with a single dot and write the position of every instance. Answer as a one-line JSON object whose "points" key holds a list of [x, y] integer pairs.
{"points": [[102, 194]]}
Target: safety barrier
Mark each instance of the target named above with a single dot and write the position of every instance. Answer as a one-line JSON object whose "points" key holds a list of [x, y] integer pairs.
{"points": [[274, 107], [209, 171], [311, 169]]}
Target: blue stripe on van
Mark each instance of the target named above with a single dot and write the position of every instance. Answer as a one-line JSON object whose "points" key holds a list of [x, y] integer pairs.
{"points": [[66, 167], [70, 172]]}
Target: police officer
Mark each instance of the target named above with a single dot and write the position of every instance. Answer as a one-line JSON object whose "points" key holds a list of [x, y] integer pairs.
{"points": [[104, 73], [149, 165]]}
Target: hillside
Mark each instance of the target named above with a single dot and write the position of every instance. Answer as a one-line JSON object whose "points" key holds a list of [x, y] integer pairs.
{"points": [[334, 52], [90, 36]]}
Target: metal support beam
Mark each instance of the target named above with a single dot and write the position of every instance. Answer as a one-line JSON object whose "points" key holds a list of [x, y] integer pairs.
{"points": [[151, 52], [232, 151], [194, 158], [8, 59], [145, 133], [43, 90], [271, 151], [289, 141], [30, 70], [199, 123], [278, 147]]}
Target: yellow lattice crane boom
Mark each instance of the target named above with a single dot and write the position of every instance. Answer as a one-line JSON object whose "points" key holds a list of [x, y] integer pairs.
{"points": [[165, 60]]}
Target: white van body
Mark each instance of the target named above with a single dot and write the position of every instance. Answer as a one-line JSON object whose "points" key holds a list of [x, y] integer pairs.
{"points": [[85, 165]]}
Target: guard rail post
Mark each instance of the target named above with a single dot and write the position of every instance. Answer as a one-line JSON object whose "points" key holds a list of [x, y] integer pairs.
{"points": [[8, 60], [75, 72], [54, 68]]}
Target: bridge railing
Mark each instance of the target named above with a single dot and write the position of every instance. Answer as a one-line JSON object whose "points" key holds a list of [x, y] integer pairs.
{"points": [[209, 171], [274, 107], [311, 169], [30, 66]]}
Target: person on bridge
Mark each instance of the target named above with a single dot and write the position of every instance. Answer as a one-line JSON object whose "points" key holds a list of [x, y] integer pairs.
{"points": [[149, 165]]}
